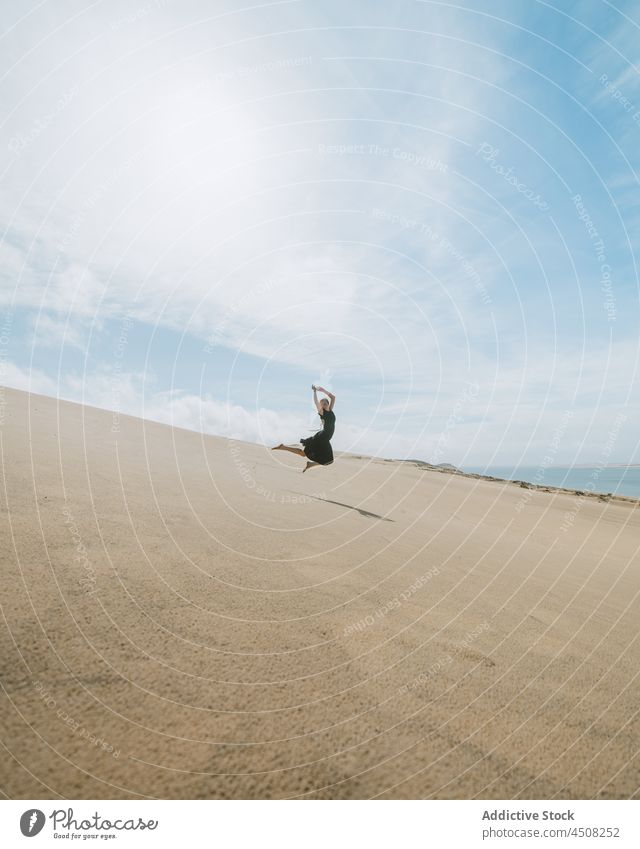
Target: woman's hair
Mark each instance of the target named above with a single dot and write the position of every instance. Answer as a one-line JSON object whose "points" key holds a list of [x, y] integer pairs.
{"points": [[324, 400]]}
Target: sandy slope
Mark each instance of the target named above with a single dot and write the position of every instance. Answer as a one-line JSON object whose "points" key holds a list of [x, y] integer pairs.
{"points": [[232, 628]]}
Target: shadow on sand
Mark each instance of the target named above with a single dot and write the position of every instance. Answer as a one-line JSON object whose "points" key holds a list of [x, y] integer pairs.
{"points": [[366, 513]]}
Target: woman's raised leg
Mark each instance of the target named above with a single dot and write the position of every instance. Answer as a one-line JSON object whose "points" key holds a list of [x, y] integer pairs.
{"points": [[282, 447]]}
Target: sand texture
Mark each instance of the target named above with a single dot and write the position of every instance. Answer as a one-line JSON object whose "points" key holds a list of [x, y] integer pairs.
{"points": [[192, 617]]}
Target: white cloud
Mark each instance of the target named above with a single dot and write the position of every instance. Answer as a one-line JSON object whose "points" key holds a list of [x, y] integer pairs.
{"points": [[172, 182], [55, 333]]}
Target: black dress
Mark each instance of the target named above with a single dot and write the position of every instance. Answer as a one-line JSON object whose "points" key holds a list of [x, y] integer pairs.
{"points": [[318, 447]]}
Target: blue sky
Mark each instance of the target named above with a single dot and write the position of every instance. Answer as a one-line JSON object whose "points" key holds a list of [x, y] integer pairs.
{"points": [[429, 208]]}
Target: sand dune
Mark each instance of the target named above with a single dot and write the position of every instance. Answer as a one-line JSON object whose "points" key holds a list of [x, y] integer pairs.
{"points": [[191, 617]]}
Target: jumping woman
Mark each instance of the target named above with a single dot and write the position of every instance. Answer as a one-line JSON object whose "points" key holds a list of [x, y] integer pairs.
{"points": [[317, 448]]}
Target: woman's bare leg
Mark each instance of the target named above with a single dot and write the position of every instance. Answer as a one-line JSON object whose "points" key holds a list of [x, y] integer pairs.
{"points": [[311, 464], [282, 447]]}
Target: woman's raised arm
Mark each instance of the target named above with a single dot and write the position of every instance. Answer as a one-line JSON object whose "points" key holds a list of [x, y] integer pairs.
{"points": [[315, 398], [330, 396]]}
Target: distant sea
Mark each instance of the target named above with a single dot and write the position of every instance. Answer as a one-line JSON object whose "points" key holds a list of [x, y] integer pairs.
{"points": [[623, 480]]}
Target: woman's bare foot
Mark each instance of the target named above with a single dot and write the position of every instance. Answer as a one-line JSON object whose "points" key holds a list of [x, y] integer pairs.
{"points": [[277, 447], [309, 465]]}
